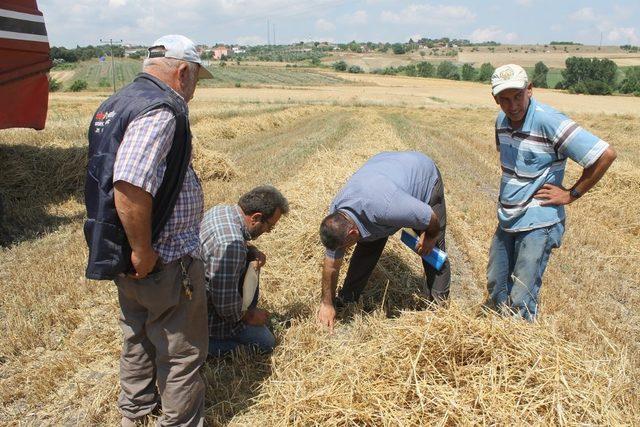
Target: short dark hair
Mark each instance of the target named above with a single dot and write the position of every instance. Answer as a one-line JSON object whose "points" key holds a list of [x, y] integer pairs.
{"points": [[264, 199], [334, 230]]}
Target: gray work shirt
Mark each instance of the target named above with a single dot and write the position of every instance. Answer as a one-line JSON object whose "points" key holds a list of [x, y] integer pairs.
{"points": [[389, 192]]}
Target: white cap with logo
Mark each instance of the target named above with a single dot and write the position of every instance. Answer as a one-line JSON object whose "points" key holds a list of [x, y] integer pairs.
{"points": [[178, 47], [510, 76]]}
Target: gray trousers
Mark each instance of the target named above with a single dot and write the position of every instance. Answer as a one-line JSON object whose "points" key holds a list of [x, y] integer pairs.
{"points": [[165, 344]]}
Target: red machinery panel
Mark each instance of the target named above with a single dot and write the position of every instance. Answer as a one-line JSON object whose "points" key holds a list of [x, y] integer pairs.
{"points": [[24, 64]]}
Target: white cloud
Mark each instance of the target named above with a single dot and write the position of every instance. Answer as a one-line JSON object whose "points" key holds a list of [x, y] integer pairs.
{"points": [[359, 17], [324, 25], [116, 3], [429, 14], [492, 33], [586, 14], [525, 3], [250, 40], [623, 35]]}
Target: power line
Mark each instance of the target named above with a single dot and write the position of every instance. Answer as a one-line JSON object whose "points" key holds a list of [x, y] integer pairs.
{"points": [[113, 63]]}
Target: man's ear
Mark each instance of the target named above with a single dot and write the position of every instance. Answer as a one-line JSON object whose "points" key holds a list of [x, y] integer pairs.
{"points": [[183, 71], [256, 217]]}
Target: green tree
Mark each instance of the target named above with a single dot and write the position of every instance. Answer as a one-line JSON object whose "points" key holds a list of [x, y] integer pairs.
{"points": [[593, 76], [425, 69], [354, 47], [468, 73], [340, 66], [631, 82], [539, 78], [485, 72], [78, 85], [54, 85], [447, 70], [398, 48], [355, 69], [410, 70]]}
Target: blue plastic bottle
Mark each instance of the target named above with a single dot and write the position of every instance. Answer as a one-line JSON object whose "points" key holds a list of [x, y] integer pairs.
{"points": [[435, 258]]}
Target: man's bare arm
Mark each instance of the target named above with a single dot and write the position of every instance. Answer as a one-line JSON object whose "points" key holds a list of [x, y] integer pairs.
{"points": [[553, 195], [134, 207], [429, 237], [330, 272]]}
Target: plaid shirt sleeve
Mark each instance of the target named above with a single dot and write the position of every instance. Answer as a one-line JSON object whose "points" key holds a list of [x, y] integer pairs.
{"points": [[144, 148], [225, 282], [225, 258]]}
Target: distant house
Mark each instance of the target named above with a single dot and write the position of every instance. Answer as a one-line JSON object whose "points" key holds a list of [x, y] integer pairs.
{"points": [[220, 51], [238, 49]]}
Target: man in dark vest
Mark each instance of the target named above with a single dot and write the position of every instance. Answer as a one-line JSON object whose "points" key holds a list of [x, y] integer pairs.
{"points": [[144, 206]]}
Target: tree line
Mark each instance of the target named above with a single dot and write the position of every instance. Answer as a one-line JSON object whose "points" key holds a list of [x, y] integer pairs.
{"points": [[582, 75], [83, 53]]}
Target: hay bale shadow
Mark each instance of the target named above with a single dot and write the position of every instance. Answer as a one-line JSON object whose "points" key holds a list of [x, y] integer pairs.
{"points": [[32, 180]]}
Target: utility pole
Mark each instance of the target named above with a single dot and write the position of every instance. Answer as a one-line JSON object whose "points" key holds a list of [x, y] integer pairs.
{"points": [[113, 63], [268, 33], [600, 40], [274, 34]]}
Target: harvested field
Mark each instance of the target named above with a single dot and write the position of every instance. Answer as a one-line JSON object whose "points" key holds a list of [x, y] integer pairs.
{"points": [[525, 55], [389, 362]]}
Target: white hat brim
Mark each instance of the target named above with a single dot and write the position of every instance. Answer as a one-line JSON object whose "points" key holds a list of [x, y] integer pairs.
{"points": [[508, 85]]}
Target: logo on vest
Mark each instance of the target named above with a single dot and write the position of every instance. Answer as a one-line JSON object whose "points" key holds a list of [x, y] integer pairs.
{"points": [[102, 119]]}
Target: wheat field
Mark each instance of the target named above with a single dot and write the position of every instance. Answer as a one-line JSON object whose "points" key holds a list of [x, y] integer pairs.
{"points": [[390, 362]]}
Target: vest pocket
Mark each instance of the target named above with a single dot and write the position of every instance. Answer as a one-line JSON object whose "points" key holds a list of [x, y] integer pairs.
{"points": [[109, 251]]}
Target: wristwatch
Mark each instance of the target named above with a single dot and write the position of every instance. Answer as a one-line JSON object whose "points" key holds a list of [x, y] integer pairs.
{"points": [[574, 193]]}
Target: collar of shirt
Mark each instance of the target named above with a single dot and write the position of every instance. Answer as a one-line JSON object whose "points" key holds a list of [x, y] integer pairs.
{"points": [[243, 226], [364, 233]]}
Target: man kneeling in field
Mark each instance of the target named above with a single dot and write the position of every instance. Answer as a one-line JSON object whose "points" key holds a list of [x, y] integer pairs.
{"points": [[224, 235], [390, 191], [534, 142]]}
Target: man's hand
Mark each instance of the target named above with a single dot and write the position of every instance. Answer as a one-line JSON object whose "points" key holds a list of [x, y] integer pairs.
{"points": [[327, 315], [552, 195], [256, 317], [143, 263], [256, 255], [426, 244]]}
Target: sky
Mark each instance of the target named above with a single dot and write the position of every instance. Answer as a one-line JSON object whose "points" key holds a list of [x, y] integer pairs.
{"points": [[82, 22]]}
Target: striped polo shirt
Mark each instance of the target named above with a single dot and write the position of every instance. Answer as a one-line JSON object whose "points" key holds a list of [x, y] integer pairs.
{"points": [[534, 155]]}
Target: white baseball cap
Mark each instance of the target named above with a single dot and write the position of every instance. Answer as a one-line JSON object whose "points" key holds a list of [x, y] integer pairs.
{"points": [[178, 47], [510, 76]]}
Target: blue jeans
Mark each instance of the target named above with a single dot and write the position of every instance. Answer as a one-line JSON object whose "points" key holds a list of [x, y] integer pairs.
{"points": [[516, 264], [256, 338]]}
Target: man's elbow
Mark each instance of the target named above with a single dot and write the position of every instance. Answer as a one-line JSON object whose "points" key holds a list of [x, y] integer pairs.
{"points": [[609, 155]]}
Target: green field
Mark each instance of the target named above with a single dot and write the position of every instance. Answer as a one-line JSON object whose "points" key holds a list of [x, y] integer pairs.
{"points": [[234, 75], [554, 76], [98, 75]]}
